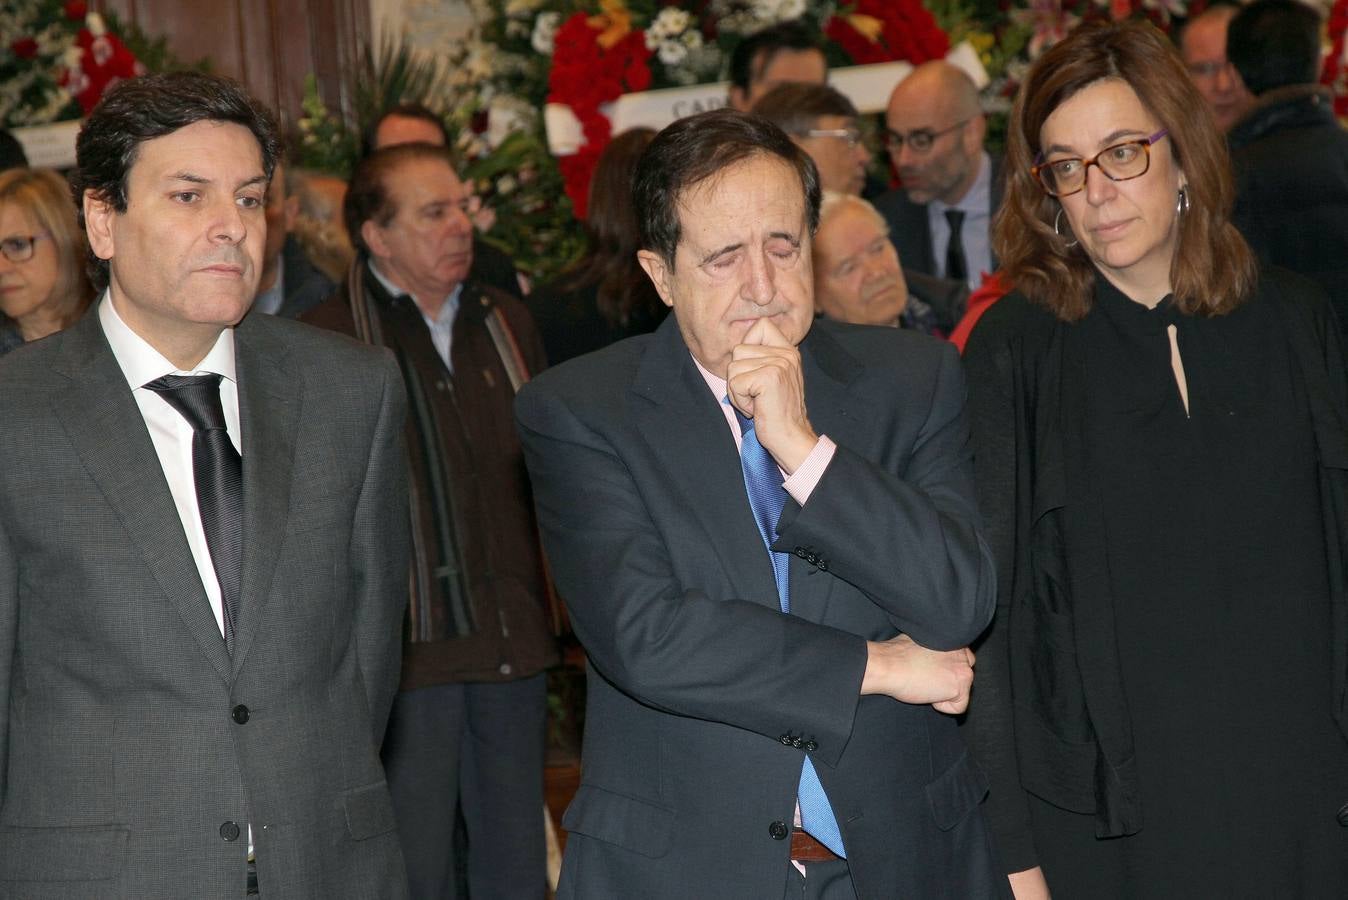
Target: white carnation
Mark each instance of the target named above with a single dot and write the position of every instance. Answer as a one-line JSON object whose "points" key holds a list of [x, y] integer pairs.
{"points": [[544, 38], [672, 53]]}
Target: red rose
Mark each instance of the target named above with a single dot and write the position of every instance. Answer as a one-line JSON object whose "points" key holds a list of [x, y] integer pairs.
{"points": [[24, 48], [75, 10]]}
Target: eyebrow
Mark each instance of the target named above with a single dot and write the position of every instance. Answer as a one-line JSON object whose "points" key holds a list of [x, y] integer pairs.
{"points": [[1107, 141], [717, 254], [191, 178]]}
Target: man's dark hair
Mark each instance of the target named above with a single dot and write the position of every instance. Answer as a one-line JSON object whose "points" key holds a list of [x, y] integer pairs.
{"points": [[403, 111], [1177, 30], [753, 54], [796, 107], [152, 106], [367, 196], [1274, 43], [11, 152], [696, 148]]}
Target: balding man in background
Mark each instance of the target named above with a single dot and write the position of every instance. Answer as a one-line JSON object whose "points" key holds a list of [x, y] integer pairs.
{"points": [[1202, 43], [939, 218]]}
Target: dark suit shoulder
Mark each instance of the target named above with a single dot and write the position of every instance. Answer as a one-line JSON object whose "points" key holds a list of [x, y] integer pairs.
{"points": [[594, 377], [304, 339]]}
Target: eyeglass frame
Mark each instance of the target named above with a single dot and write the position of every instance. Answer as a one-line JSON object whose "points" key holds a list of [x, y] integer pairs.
{"points": [[894, 141], [852, 136], [1086, 164], [29, 240]]}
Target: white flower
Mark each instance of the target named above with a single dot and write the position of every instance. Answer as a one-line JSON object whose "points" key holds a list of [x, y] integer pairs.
{"points": [[671, 21], [790, 9], [672, 53], [544, 38], [506, 184], [692, 39], [520, 8]]}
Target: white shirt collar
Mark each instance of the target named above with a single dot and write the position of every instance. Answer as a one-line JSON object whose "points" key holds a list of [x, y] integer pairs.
{"points": [[142, 363]]}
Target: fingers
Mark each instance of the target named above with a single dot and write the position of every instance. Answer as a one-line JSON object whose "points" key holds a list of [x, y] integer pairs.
{"points": [[765, 332]]}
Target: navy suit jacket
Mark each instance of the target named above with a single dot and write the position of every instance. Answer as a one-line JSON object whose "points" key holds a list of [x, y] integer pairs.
{"points": [[698, 682]]}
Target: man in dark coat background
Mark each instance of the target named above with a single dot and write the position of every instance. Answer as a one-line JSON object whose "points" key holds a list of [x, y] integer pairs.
{"points": [[1289, 152]]}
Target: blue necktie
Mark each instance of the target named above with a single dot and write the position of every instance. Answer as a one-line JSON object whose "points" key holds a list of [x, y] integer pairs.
{"points": [[767, 499]]}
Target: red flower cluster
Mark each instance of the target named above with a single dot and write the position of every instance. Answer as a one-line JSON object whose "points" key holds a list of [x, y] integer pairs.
{"points": [[24, 48], [105, 61], [908, 32], [585, 76], [1335, 74]]}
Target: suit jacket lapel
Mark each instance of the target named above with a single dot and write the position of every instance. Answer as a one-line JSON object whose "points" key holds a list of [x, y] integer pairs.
{"points": [[844, 417], [678, 417], [269, 420], [109, 434]]}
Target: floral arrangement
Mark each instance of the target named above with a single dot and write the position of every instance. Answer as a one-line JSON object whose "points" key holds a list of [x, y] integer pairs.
{"points": [[56, 60], [598, 55]]}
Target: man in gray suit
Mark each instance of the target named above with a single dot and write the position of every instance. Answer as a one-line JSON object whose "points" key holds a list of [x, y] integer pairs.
{"points": [[202, 553], [765, 530]]}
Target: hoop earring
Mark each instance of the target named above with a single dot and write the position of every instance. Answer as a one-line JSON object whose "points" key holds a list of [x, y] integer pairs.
{"points": [[1182, 202], [1058, 231]]}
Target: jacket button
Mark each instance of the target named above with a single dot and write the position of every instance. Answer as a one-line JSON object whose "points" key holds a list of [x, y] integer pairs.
{"points": [[801, 552], [798, 743], [239, 714], [1343, 815], [778, 831], [811, 746], [822, 565], [786, 739], [505, 668], [229, 831]]}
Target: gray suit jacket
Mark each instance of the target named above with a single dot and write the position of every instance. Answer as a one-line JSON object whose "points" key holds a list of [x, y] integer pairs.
{"points": [[698, 684], [129, 737]]}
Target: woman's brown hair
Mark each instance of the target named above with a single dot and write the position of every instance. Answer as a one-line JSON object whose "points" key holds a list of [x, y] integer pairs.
{"points": [[610, 262], [1213, 270], [45, 196]]}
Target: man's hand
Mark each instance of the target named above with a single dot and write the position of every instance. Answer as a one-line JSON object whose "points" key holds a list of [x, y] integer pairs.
{"points": [[764, 381], [902, 669]]}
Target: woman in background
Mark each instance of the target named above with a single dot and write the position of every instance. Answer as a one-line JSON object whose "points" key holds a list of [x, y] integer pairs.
{"points": [[605, 296], [43, 285], [1161, 452]]}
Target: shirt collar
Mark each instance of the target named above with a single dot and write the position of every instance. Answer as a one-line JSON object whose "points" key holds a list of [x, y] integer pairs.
{"points": [[715, 383], [447, 309], [141, 363]]}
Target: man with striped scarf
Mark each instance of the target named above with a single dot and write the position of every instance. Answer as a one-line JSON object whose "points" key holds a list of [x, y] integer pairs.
{"points": [[469, 720]]}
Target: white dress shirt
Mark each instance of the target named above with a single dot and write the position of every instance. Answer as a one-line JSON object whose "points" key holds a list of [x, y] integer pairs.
{"points": [[170, 432]]}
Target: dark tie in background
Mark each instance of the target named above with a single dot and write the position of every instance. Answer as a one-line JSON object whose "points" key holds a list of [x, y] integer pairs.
{"points": [[767, 499], [956, 269], [217, 471]]}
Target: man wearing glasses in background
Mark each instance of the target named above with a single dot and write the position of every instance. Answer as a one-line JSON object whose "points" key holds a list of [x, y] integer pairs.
{"points": [[823, 122], [468, 723], [940, 216], [820, 120]]}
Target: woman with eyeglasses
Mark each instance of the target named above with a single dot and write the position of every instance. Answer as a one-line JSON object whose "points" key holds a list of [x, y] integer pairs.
{"points": [[1161, 440], [43, 285]]}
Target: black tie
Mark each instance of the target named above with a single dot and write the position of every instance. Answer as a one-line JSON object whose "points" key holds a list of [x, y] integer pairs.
{"points": [[218, 473], [956, 269]]}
